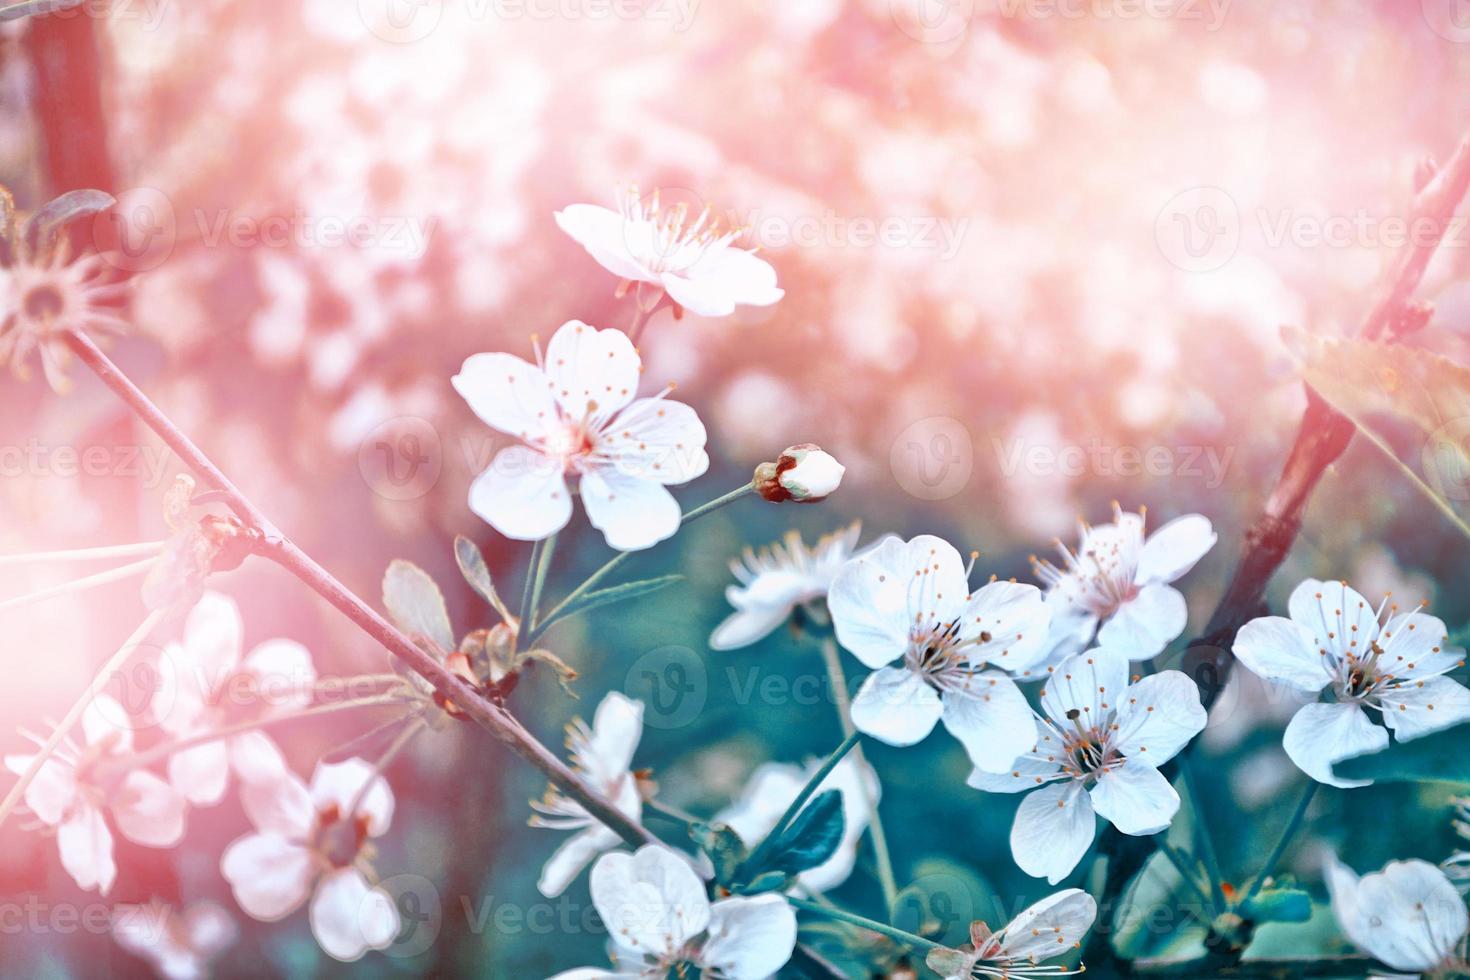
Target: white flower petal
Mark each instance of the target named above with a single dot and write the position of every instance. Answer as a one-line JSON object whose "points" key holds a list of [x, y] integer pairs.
{"points": [[51, 792], [1146, 623], [992, 720], [574, 854], [348, 917], [1409, 915], [523, 495], [632, 513], [1158, 717], [283, 673], [592, 372], [1090, 683], [1035, 767], [339, 784], [85, 845], [651, 900], [282, 806], [209, 929], [1337, 617], [1054, 827], [255, 758], [1416, 645], [214, 635], [1417, 708], [1322, 734], [1015, 618], [750, 625], [617, 728], [894, 705], [603, 233], [202, 773], [1050, 928], [655, 439], [749, 938], [104, 720], [508, 394], [149, 811], [1135, 798], [1281, 650], [269, 875], [1173, 549], [869, 604]]}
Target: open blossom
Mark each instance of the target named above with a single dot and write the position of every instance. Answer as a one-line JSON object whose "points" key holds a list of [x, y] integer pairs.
{"points": [[205, 685], [602, 756], [661, 920], [773, 787], [1097, 750], [1408, 916], [578, 417], [1051, 928], [180, 944], [694, 261], [955, 649], [778, 579], [315, 843], [1333, 640], [1119, 579], [75, 792]]}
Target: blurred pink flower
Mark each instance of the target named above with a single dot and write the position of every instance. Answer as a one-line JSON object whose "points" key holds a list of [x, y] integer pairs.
{"points": [[179, 943]]}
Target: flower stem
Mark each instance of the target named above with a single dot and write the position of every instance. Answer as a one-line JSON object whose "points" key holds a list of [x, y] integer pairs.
{"points": [[162, 751], [110, 668], [838, 679], [399, 743], [1292, 826], [671, 812], [612, 564], [82, 584], [1202, 833], [285, 553], [840, 915], [526, 619], [822, 772], [86, 554]]}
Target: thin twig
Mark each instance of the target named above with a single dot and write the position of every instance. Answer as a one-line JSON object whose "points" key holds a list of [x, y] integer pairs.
{"points": [[119, 574], [85, 554]]}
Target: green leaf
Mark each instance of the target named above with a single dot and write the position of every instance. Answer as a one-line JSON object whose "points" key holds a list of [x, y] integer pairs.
{"points": [[768, 881], [606, 597], [1153, 898], [34, 8], [1279, 905], [810, 839], [723, 845], [472, 566], [43, 226], [1437, 758], [416, 604]]}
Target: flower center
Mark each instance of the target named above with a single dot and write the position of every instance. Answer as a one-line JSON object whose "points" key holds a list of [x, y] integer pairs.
{"points": [[666, 239], [935, 653], [339, 840], [1086, 752], [43, 303]]}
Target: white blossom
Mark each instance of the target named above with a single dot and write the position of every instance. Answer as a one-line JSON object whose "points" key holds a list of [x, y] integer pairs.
{"points": [[206, 685], [778, 579], [1409, 916], [775, 785], [1333, 640], [1051, 928], [602, 755], [1097, 750], [315, 843], [661, 920], [956, 650], [577, 415], [74, 791], [695, 262], [1115, 587], [180, 944]]}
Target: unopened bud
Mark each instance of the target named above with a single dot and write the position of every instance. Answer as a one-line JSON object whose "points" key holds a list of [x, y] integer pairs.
{"points": [[804, 474]]}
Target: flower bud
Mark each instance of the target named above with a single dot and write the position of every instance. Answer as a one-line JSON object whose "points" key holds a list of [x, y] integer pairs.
{"points": [[804, 474]]}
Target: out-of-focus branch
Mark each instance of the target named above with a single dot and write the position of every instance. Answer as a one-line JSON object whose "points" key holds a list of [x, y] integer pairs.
{"points": [[272, 544], [1321, 966], [68, 100], [1322, 437]]}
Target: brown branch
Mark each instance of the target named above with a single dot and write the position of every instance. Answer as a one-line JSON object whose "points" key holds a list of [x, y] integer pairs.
{"points": [[1322, 437], [279, 549]]}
